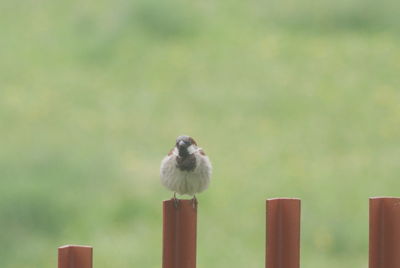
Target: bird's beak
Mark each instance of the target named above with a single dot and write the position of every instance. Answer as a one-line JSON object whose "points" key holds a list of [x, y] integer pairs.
{"points": [[181, 144]]}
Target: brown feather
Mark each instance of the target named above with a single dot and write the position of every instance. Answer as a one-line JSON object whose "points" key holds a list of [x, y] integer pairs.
{"points": [[192, 141]]}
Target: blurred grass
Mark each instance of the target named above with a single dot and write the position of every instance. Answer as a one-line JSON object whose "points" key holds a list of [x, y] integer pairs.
{"points": [[293, 98]]}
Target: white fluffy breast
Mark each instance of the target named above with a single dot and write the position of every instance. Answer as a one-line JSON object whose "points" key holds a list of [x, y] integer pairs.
{"points": [[186, 182]]}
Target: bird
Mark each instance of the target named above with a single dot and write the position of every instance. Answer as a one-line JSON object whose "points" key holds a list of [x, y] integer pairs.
{"points": [[186, 170]]}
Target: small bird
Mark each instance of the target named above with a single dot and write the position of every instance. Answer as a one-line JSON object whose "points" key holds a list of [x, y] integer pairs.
{"points": [[186, 170]]}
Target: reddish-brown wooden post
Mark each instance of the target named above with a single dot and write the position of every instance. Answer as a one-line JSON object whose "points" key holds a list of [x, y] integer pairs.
{"points": [[384, 232], [72, 256], [179, 234], [283, 233]]}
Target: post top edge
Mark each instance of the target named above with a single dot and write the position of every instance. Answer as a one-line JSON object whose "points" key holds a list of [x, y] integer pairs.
{"points": [[180, 200], [74, 246], [284, 198], [383, 197]]}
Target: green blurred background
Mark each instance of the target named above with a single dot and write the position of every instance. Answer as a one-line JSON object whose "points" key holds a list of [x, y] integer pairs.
{"points": [[288, 98]]}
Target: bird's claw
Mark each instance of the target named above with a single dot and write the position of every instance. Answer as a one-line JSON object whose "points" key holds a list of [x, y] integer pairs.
{"points": [[176, 201], [194, 202]]}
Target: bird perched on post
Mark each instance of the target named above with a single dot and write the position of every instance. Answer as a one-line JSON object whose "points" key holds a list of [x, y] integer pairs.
{"points": [[186, 170]]}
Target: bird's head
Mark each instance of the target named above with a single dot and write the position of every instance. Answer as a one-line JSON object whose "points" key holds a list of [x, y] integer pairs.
{"points": [[185, 145]]}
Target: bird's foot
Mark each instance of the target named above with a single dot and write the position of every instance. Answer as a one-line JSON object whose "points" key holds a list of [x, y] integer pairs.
{"points": [[194, 202], [176, 201]]}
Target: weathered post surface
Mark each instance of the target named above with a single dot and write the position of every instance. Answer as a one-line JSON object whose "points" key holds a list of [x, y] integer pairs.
{"points": [[384, 232], [73, 256], [179, 234], [282, 233]]}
